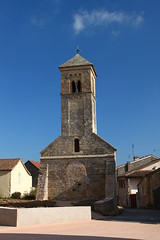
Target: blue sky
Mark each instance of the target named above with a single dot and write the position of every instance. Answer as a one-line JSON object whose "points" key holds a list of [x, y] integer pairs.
{"points": [[120, 37]]}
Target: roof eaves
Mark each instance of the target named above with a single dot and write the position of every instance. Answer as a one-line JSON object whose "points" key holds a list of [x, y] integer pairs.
{"points": [[35, 164]]}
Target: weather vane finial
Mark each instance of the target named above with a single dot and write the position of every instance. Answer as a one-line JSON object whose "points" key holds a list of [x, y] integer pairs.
{"points": [[77, 50]]}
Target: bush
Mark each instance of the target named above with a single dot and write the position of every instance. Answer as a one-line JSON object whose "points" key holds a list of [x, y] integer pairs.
{"points": [[31, 195], [16, 195]]}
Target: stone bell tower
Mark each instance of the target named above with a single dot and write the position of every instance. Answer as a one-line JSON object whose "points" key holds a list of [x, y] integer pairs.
{"points": [[78, 101], [78, 164]]}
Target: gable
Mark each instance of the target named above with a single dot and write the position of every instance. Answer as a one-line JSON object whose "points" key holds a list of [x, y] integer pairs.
{"points": [[33, 164], [8, 164], [88, 145]]}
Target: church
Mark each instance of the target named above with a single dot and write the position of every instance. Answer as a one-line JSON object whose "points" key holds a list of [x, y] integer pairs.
{"points": [[78, 164]]}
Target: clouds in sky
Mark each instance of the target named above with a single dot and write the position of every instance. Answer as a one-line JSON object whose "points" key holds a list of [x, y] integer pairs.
{"points": [[84, 19]]}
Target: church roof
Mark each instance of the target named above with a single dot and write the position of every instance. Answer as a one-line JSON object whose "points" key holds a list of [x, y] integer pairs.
{"points": [[77, 60]]}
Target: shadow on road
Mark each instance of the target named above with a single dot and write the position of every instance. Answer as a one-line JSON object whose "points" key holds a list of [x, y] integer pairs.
{"points": [[133, 215], [16, 236]]}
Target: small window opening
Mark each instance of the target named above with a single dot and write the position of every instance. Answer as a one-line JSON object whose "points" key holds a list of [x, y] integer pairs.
{"points": [[73, 87], [19, 178], [76, 145], [78, 86], [122, 183]]}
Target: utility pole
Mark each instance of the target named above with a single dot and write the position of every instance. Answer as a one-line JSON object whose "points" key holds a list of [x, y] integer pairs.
{"points": [[133, 150]]}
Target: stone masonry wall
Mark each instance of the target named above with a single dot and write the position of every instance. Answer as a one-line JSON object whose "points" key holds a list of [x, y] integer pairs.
{"points": [[77, 179], [89, 145]]}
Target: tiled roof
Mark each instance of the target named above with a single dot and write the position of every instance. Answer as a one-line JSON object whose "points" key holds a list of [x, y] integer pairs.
{"points": [[141, 167], [77, 60], [137, 173], [36, 164], [139, 159], [8, 164]]}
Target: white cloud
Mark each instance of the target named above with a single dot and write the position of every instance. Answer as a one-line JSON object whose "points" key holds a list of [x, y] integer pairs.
{"points": [[138, 20], [78, 23], [83, 19]]}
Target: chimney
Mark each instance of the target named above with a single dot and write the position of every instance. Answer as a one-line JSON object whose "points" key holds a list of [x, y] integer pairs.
{"points": [[136, 158]]}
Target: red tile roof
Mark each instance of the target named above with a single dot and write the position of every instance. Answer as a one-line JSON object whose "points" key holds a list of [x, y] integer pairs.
{"points": [[36, 164], [8, 164]]}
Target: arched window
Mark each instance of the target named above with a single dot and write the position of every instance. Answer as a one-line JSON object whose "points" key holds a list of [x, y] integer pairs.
{"points": [[73, 87], [76, 145], [78, 86]]}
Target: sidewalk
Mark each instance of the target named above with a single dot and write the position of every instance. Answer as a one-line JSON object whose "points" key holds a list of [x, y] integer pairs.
{"points": [[88, 230]]}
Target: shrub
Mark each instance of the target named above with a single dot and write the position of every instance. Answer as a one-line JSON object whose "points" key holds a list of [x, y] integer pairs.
{"points": [[16, 195], [31, 195]]}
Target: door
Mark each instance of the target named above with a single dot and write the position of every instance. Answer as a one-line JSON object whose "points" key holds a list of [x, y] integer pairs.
{"points": [[133, 202]]}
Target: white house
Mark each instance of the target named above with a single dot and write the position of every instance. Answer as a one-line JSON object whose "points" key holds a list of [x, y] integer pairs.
{"points": [[14, 177]]}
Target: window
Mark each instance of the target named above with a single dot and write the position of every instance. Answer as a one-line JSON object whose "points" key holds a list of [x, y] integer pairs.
{"points": [[76, 145], [73, 87], [78, 86], [142, 190], [122, 183], [19, 178]]}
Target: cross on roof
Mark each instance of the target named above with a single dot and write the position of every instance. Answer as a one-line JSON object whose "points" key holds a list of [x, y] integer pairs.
{"points": [[78, 50]]}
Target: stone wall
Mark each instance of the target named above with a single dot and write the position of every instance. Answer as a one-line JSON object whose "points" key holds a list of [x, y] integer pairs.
{"points": [[90, 144], [122, 190], [143, 194], [78, 179], [78, 109], [149, 190]]}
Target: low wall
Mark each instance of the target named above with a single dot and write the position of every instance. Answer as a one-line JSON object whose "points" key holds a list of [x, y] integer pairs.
{"points": [[31, 216]]}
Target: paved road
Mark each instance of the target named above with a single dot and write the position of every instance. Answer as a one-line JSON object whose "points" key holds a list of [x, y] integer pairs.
{"points": [[136, 215], [133, 224]]}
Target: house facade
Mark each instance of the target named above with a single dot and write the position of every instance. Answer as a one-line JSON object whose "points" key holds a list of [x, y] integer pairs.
{"points": [[78, 164], [33, 167], [128, 177], [149, 190], [14, 177]]}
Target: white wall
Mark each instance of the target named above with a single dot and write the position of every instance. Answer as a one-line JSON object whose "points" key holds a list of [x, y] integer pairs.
{"points": [[48, 215], [21, 180], [133, 185], [153, 166]]}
